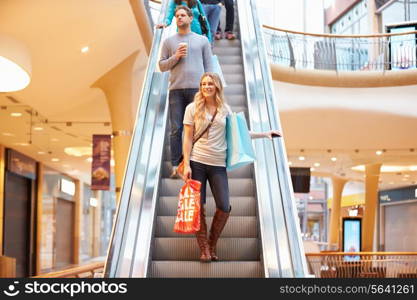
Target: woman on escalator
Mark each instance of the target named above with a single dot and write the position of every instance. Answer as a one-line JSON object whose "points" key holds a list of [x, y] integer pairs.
{"points": [[206, 158], [196, 8]]}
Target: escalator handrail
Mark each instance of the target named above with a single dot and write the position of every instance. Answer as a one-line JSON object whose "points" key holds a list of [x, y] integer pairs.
{"points": [[119, 227], [281, 237]]}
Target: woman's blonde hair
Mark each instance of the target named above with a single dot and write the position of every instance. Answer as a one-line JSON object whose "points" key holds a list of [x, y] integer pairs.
{"points": [[200, 101]]}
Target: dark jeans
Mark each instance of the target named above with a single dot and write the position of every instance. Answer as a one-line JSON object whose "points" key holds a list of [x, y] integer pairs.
{"points": [[217, 178], [230, 16], [178, 101]]}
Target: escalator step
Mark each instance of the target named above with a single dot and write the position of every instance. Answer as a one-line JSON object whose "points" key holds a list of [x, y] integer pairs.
{"points": [[241, 206], [232, 69], [238, 227], [224, 43], [237, 187], [228, 51], [230, 60], [195, 269], [234, 79], [187, 249]]}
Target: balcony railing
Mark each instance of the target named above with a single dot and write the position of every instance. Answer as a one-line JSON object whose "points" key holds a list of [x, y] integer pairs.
{"points": [[363, 264], [379, 52]]}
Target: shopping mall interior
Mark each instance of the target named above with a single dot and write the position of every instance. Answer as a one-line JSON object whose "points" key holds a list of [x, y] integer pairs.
{"points": [[335, 196]]}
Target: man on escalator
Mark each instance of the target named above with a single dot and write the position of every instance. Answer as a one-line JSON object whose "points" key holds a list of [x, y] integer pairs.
{"points": [[187, 56]]}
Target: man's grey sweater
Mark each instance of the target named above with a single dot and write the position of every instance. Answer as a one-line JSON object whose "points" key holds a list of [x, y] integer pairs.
{"points": [[187, 71]]}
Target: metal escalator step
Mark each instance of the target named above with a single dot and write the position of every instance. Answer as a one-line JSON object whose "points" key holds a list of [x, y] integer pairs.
{"points": [[224, 43], [234, 89], [232, 69], [237, 187], [187, 249], [234, 78], [242, 172], [230, 60], [241, 206], [238, 227], [237, 100], [195, 269], [219, 51]]}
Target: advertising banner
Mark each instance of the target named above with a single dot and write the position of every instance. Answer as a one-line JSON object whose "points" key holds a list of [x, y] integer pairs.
{"points": [[100, 167]]}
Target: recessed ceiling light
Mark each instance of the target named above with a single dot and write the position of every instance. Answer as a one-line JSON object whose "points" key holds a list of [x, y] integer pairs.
{"points": [[413, 168], [90, 159], [16, 114], [54, 140], [406, 175], [41, 152], [85, 49], [7, 134], [78, 151], [333, 158], [317, 164], [21, 144], [301, 158], [290, 163], [379, 152], [38, 128], [55, 159], [312, 169]]}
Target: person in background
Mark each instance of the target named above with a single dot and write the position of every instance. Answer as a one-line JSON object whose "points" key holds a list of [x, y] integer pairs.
{"points": [[212, 9], [230, 19], [206, 159], [187, 56], [195, 7]]}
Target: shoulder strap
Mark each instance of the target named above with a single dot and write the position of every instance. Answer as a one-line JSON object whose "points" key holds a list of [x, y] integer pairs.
{"points": [[205, 130]]}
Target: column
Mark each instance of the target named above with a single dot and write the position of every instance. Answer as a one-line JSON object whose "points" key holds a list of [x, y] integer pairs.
{"points": [[334, 226], [371, 203], [2, 171], [121, 85]]}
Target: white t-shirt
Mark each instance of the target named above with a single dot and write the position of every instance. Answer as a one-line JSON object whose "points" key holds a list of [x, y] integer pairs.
{"points": [[211, 148]]}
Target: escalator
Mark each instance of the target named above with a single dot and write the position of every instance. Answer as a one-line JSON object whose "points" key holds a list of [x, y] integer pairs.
{"points": [[261, 238]]}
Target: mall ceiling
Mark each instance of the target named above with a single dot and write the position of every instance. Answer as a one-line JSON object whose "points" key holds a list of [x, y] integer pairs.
{"points": [[59, 109]]}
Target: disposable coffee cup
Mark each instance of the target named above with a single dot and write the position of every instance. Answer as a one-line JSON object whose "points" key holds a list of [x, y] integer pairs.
{"points": [[184, 44]]}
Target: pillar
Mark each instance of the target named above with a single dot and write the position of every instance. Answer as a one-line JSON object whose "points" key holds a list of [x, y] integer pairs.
{"points": [[141, 16], [334, 226], [371, 203], [121, 87]]}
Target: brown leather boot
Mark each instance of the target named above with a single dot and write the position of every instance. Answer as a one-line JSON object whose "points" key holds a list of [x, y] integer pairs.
{"points": [[202, 237], [219, 221]]}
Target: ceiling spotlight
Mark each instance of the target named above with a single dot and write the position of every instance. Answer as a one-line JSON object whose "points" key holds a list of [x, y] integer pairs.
{"points": [[90, 159], [85, 49], [379, 152], [333, 158], [55, 159], [290, 163], [16, 114], [312, 169], [38, 128], [54, 140], [317, 164], [41, 152], [301, 158]]}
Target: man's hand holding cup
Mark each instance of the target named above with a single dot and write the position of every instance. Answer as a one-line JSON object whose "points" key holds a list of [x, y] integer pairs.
{"points": [[181, 50]]}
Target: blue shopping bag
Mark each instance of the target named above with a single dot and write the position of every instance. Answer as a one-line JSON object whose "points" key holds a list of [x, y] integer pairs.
{"points": [[239, 144], [217, 69]]}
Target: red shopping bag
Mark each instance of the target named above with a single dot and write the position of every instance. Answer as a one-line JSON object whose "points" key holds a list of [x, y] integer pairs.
{"points": [[188, 212]]}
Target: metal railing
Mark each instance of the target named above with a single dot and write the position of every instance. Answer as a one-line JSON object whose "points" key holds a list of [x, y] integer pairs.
{"points": [[363, 264], [378, 52], [129, 248], [86, 271], [282, 249]]}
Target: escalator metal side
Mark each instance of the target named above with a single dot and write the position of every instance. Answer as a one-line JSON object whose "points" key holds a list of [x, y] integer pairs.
{"points": [[283, 254], [129, 247]]}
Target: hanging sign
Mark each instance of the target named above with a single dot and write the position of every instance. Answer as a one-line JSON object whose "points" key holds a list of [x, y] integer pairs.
{"points": [[100, 167]]}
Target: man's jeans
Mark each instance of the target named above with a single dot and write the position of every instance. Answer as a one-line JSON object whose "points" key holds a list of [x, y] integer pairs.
{"points": [[230, 16], [213, 16], [178, 101]]}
